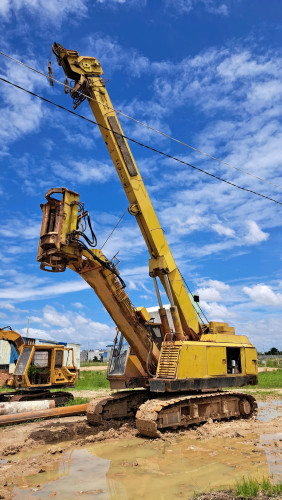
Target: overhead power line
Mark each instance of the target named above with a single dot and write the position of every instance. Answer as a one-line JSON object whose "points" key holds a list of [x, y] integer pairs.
{"points": [[144, 124], [140, 143]]}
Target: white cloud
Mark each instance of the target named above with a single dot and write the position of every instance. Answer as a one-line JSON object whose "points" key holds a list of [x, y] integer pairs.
{"points": [[256, 331], [30, 290], [126, 241], [27, 230], [83, 172], [21, 113], [112, 1], [255, 234], [186, 6], [208, 294], [6, 305], [113, 56], [54, 11], [108, 3], [78, 305], [212, 290], [216, 312], [223, 230], [38, 333], [264, 295], [54, 318], [218, 285], [68, 326]]}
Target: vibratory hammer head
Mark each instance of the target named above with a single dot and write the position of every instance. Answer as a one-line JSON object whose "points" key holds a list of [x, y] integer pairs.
{"points": [[60, 218]]}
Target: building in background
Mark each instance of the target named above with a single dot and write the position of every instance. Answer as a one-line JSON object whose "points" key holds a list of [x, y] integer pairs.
{"points": [[96, 354], [107, 353]]}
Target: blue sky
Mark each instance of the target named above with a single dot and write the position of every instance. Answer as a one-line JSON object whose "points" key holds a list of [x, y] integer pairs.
{"points": [[206, 72]]}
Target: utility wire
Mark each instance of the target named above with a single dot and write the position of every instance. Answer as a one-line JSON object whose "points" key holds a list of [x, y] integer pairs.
{"points": [[142, 144], [120, 219], [142, 123]]}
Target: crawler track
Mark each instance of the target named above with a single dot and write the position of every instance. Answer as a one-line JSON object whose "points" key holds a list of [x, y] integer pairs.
{"points": [[170, 412], [121, 405], [173, 412]]}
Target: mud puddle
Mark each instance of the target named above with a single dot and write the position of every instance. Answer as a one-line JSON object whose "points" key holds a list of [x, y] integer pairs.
{"points": [[269, 410], [211, 456]]}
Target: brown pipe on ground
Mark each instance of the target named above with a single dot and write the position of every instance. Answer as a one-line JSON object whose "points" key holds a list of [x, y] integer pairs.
{"points": [[65, 411]]}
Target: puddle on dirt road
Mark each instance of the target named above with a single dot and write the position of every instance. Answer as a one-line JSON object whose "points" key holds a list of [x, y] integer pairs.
{"points": [[138, 468], [269, 410], [273, 453]]}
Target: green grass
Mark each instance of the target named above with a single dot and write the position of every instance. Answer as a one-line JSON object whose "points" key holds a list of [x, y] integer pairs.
{"points": [[263, 395], [270, 379], [88, 380], [266, 380], [250, 487], [91, 380], [271, 363], [6, 389], [93, 363], [77, 401]]}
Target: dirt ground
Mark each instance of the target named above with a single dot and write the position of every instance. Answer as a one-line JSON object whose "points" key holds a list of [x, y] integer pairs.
{"points": [[267, 369], [55, 436]]}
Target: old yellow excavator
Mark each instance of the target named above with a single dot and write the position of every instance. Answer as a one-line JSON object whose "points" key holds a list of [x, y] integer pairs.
{"points": [[38, 368], [179, 363]]}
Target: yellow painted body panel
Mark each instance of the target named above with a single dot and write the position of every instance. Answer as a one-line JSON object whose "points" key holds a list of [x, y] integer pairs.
{"points": [[143, 313], [134, 375], [216, 360], [134, 367], [193, 359], [181, 360], [251, 361], [226, 338], [219, 327]]}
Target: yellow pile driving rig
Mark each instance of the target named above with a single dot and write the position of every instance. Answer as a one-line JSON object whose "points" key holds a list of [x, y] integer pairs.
{"points": [[180, 363]]}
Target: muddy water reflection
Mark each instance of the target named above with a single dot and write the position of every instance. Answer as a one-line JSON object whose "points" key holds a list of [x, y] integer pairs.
{"points": [[155, 470], [269, 410]]}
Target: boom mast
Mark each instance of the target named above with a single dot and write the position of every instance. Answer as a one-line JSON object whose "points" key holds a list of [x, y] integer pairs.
{"points": [[86, 72]]}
